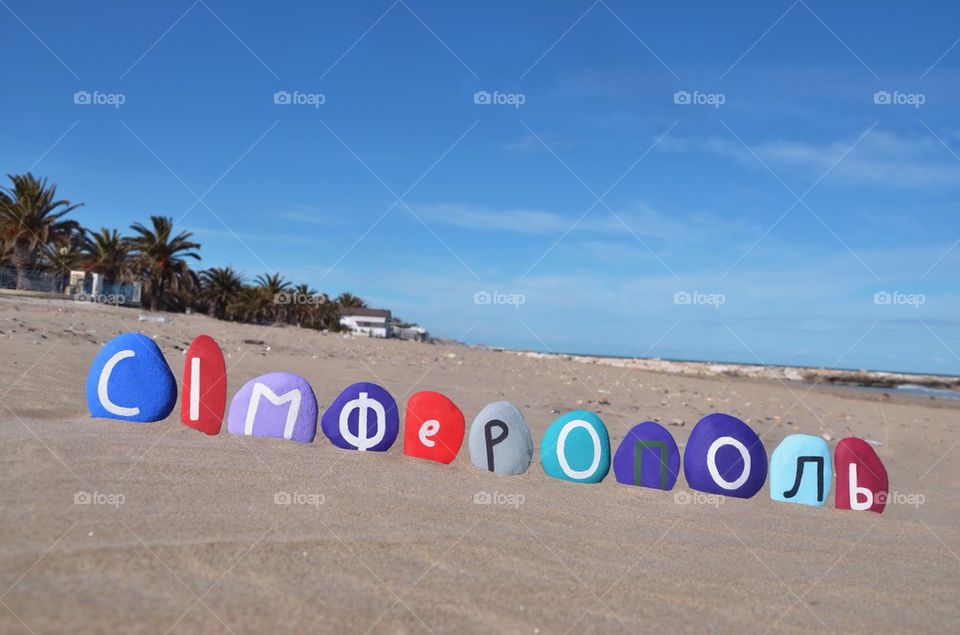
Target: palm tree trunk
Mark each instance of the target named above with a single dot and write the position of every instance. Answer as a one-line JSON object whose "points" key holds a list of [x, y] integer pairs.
{"points": [[22, 260]]}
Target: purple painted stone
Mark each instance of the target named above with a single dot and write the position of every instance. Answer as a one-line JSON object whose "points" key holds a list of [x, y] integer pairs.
{"points": [[280, 405], [725, 456], [659, 457], [363, 417]]}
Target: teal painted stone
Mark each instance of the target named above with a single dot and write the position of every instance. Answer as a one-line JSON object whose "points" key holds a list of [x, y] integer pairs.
{"points": [[576, 447], [801, 470]]}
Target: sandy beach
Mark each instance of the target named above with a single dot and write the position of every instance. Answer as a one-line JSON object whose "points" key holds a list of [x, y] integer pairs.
{"points": [[183, 533]]}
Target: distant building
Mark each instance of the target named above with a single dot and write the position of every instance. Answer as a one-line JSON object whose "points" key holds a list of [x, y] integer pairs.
{"points": [[92, 287], [364, 321], [412, 332]]}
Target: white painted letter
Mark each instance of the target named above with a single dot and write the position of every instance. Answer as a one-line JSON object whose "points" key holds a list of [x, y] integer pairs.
{"points": [[194, 389], [102, 391], [260, 390], [427, 430], [856, 490], [562, 458], [712, 463]]}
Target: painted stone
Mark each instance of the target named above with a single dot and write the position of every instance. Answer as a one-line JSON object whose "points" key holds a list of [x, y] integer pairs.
{"points": [[725, 456], [648, 457], [204, 386], [433, 427], [363, 417], [500, 440], [576, 447], [280, 405], [861, 478], [130, 380], [801, 470]]}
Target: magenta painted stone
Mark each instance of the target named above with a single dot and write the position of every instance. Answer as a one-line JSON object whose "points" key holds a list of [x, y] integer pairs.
{"points": [[280, 405]]}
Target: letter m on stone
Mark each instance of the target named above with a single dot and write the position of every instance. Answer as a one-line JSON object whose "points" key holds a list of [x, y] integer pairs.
{"points": [[261, 390]]}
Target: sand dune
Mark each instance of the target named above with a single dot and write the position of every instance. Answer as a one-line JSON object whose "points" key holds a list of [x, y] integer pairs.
{"points": [[186, 537]]}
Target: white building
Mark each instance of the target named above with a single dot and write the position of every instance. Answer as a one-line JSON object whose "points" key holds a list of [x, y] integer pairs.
{"points": [[364, 321]]}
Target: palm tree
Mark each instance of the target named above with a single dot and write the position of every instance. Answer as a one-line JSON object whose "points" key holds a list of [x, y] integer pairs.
{"points": [[108, 253], [350, 300], [161, 257], [274, 288], [31, 218], [219, 288], [66, 254], [252, 305], [306, 301]]}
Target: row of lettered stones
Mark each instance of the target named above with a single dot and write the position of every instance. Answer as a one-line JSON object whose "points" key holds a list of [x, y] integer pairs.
{"points": [[130, 380]]}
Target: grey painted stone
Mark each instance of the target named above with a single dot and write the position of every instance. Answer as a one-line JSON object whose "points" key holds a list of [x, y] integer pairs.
{"points": [[500, 440]]}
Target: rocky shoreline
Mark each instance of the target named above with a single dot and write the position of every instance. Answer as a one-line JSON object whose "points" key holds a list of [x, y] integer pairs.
{"points": [[825, 376]]}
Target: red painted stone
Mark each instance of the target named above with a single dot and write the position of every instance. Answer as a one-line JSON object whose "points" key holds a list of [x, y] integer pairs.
{"points": [[433, 427], [861, 478], [204, 394]]}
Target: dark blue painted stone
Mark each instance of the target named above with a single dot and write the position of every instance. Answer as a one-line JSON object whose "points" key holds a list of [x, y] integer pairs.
{"points": [[648, 457], [714, 457], [130, 380], [363, 417]]}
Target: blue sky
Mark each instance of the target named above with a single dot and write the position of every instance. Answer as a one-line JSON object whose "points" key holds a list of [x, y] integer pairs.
{"points": [[776, 214]]}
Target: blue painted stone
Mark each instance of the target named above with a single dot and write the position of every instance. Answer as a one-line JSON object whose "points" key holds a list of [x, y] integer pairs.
{"points": [[714, 457], [363, 417], [500, 440], [576, 447], [648, 457], [816, 475], [279, 405], [130, 380]]}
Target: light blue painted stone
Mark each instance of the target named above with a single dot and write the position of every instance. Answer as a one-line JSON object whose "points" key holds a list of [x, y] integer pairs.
{"points": [[576, 447], [806, 457], [130, 380], [500, 440]]}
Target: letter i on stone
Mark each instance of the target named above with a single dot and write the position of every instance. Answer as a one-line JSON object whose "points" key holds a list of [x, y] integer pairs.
{"points": [[861, 478], [130, 380], [500, 440], [363, 417], [801, 470], [204, 386]]}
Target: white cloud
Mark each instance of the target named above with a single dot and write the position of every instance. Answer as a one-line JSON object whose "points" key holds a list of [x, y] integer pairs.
{"points": [[880, 158]]}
